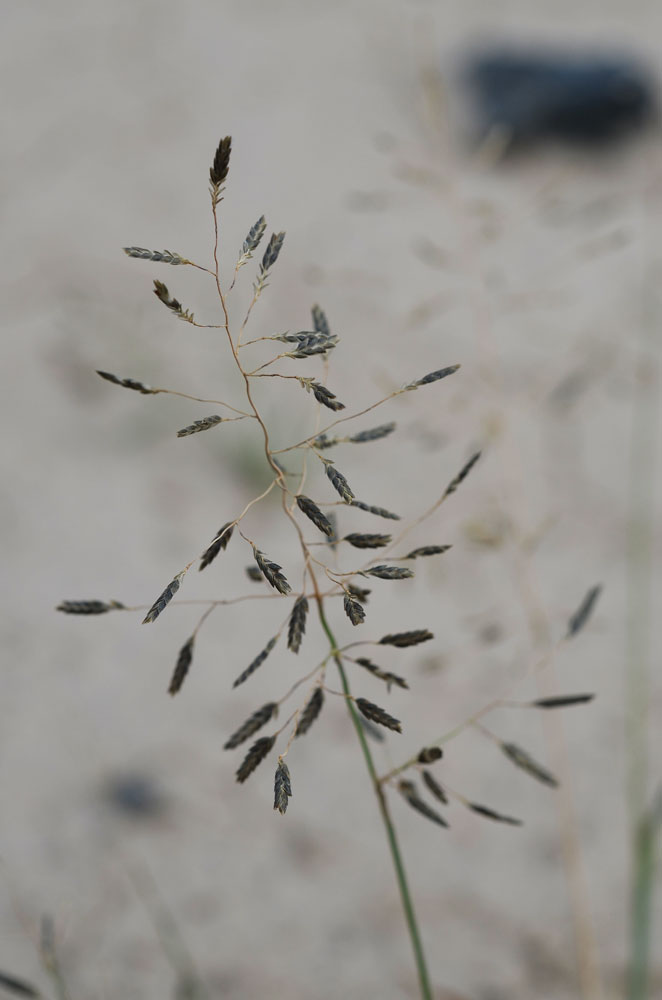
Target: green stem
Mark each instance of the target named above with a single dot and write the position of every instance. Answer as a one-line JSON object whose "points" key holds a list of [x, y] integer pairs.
{"points": [[400, 874]]}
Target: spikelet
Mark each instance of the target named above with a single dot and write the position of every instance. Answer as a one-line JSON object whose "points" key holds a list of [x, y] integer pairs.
{"points": [[219, 169], [360, 541], [491, 814], [462, 474], [164, 599], [562, 701], [200, 425], [129, 383], [389, 572], [427, 550], [321, 393], [373, 434], [271, 572], [376, 714], [252, 241], [359, 593], [320, 322], [258, 719], [434, 787], [297, 626], [583, 612], [268, 260], [353, 610], [431, 377], [402, 639], [338, 481], [409, 792], [429, 754], [182, 666], [520, 758], [310, 711], [157, 256], [312, 511], [257, 662], [260, 749], [88, 607], [383, 675], [163, 295], [223, 536], [379, 511], [253, 573], [282, 787], [19, 987]]}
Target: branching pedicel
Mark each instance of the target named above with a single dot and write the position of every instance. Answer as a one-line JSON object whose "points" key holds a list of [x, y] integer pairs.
{"points": [[341, 589]]}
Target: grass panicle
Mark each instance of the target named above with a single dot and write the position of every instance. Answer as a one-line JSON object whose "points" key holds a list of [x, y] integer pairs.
{"points": [[353, 610], [200, 425], [257, 662], [271, 572], [310, 711], [360, 541], [260, 749], [282, 787], [88, 607], [129, 383], [157, 256], [520, 758], [376, 714], [314, 514], [434, 787], [164, 599], [297, 624], [410, 794], [428, 755], [402, 639], [254, 722], [378, 511], [184, 661], [383, 675], [583, 612], [223, 536]]}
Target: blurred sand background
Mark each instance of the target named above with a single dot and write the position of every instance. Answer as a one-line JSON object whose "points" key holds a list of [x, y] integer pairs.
{"points": [[537, 276]]}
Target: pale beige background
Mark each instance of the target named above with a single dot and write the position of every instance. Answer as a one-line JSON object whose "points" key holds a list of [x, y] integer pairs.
{"points": [[528, 275]]}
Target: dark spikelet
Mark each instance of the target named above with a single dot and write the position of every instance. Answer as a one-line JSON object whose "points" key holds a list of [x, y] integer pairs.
{"points": [[163, 295], [428, 755], [158, 256], [255, 234], [258, 719], [434, 376], [257, 662], [297, 626], [128, 383], [520, 758], [373, 434], [182, 666], [164, 599], [18, 987], [562, 701], [383, 675], [323, 441], [379, 511], [360, 541], [353, 610], [307, 347], [402, 639], [219, 168], [253, 573], [428, 550], [359, 593], [325, 396], [310, 712], [295, 338], [271, 572], [333, 537], [223, 536], [338, 481], [389, 572], [491, 814], [88, 607], [434, 787], [462, 474], [312, 511], [320, 323], [583, 612], [271, 253], [371, 730], [409, 792], [260, 749], [282, 787], [376, 714], [200, 425]]}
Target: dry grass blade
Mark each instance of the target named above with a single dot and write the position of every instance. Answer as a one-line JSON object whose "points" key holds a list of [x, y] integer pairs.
{"points": [[379, 511], [376, 714], [353, 610], [200, 425], [164, 599], [297, 626], [271, 572], [427, 550], [583, 612], [402, 639], [258, 719], [520, 758], [338, 481], [312, 511], [223, 536], [310, 711], [562, 701], [389, 572], [282, 787], [409, 792], [462, 474], [383, 675], [260, 749], [360, 541], [374, 434], [428, 755], [491, 814], [163, 295], [18, 987], [88, 607], [257, 662], [218, 171], [182, 666], [157, 256], [128, 383], [434, 787], [320, 322]]}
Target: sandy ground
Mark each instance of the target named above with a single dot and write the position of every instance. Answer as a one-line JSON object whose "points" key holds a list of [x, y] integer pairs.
{"points": [[538, 278]]}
